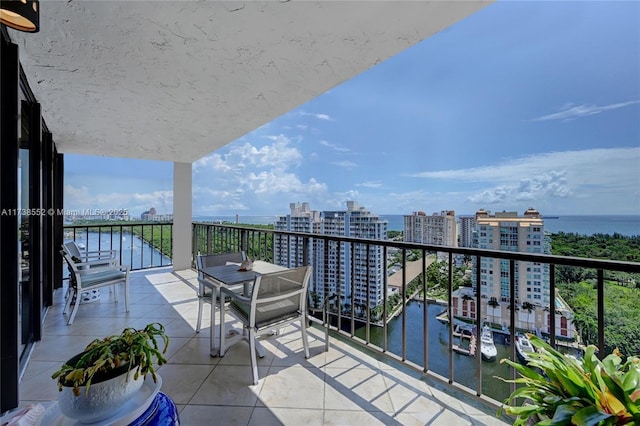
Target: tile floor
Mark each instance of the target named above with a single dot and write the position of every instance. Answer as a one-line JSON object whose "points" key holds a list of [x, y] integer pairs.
{"points": [[340, 387]]}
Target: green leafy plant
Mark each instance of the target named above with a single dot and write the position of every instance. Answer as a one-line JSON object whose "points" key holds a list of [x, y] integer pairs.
{"points": [[106, 358], [564, 390]]}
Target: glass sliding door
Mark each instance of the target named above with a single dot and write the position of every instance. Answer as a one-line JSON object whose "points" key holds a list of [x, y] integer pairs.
{"points": [[25, 289], [30, 188], [10, 334], [30, 228]]}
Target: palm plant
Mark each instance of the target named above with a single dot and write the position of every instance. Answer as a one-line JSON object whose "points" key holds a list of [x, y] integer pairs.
{"points": [[564, 390], [529, 307], [493, 302], [466, 299]]}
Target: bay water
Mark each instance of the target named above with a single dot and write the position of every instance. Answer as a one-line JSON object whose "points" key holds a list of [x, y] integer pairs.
{"points": [[134, 251], [628, 225], [464, 366]]}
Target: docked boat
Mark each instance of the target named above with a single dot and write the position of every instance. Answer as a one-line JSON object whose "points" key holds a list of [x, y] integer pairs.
{"points": [[523, 347], [487, 347]]}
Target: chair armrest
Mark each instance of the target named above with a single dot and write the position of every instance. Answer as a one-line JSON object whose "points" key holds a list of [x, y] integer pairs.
{"points": [[101, 268], [100, 254], [95, 269], [233, 295], [95, 263], [102, 251]]}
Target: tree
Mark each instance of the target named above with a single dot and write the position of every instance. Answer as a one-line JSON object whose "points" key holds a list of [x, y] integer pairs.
{"points": [[586, 327], [529, 307], [465, 299], [493, 302]]}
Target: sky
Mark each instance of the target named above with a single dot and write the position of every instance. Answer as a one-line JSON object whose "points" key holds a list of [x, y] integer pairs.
{"points": [[522, 104]]}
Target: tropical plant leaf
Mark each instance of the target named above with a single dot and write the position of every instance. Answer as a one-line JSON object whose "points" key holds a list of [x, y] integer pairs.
{"points": [[572, 391], [589, 416], [563, 414]]}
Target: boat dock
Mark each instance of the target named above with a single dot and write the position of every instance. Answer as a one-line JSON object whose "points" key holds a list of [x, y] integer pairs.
{"points": [[460, 333]]}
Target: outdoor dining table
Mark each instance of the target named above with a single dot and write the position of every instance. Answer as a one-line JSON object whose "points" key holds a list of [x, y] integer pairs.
{"points": [[227, 276]]}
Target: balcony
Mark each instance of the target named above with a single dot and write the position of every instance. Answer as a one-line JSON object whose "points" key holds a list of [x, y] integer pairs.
{"points": [[342, 386], [410, 375]]}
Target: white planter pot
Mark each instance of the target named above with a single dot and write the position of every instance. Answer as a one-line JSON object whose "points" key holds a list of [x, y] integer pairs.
{"points": [[102, 401]]}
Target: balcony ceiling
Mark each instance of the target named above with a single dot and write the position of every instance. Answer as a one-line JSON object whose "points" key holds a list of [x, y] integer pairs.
{"points": [[175, 80]]}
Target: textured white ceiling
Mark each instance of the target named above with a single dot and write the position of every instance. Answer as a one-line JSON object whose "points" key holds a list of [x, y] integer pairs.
{"points": [[175, 80]]}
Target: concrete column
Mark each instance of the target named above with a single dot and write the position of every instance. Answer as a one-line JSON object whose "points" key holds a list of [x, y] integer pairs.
{"points": [[182, 208]]}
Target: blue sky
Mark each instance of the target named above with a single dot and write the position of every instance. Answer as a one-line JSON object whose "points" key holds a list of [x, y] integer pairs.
{"points": [[523, 104]]}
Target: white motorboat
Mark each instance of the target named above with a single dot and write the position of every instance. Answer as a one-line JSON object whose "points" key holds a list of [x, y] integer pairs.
{"points": [[487, 348], [523, 347]]}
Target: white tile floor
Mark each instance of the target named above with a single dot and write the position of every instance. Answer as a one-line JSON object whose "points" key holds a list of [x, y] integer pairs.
{"points": [[340, 387]]}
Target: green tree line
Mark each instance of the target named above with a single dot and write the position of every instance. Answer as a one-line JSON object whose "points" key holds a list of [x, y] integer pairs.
{"points": [[577, 286]]}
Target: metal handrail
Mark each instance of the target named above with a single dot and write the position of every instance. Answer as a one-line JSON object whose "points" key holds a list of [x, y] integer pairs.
{"points": [[121, 229], [225, 237]]}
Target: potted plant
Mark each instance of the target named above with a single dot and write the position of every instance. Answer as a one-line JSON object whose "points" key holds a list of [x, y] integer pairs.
{"points": [[96, 382], [558, 389]]}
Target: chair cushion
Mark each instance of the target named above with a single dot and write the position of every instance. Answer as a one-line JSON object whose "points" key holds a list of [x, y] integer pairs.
{"points": [[240, 310], [283, 311], [101, 277]]}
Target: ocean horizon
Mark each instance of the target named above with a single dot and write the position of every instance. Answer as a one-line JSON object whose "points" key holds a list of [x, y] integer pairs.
{"points": [[628, 225]]}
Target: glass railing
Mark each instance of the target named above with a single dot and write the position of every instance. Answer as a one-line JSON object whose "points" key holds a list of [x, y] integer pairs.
{"points": [[407, 317], [140, 245]]}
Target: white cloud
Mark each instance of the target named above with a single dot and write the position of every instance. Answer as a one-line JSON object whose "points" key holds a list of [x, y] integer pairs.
{"points": [[79, 198], [596, 175], [316, 115], [593, 166], [571, 111], [345, 163], [552, 184], [239, 158], [211, 161], [247, 175], [334, 146], [370, 184]]}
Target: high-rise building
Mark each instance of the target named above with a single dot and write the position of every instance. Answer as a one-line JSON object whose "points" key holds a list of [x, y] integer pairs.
{"points": [[288, 250], [506, 231], [467, 227], [438, 229], [355, 271]]}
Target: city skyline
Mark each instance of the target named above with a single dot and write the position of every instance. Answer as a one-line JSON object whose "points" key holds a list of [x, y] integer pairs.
{"points": [[527, 104]]}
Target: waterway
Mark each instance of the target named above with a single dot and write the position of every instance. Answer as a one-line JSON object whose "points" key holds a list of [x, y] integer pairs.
{"points": [[135, 252], [464, 367]]}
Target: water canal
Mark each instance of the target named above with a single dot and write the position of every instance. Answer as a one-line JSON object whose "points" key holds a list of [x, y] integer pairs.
{"points": [[464, 367]]}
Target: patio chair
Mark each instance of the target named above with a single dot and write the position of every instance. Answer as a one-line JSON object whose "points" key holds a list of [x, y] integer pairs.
{"points": [[205, 283], [278, 299], [91, 259], [84, 279]]}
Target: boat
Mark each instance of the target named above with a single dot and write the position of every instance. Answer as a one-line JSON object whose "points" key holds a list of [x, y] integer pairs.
{"points": [[523, 347], [487, 347]]}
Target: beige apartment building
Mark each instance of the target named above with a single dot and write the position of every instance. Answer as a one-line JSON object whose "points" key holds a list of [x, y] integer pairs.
{"points": [[506, 231], [439, 229]]}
